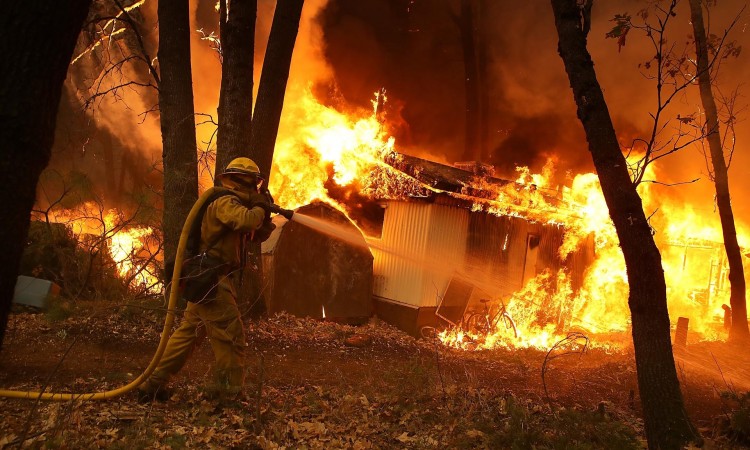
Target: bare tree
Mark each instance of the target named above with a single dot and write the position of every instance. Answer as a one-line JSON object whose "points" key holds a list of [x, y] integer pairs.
{"points": [[98, 264], [473, 24], [177, 120], [483, 73], [37, 39], [672, 72], [739, 331], [674, 69], [118, 54], [666, 422]]}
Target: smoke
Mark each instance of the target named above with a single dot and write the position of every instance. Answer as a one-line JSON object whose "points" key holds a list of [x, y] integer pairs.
{"points": [[412, 48], [107, 126]]}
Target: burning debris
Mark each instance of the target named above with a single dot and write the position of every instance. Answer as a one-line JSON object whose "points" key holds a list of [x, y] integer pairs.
{"points": [[98, 241]]}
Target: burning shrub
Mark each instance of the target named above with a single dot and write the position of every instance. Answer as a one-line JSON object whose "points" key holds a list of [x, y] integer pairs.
{"points": [[80, 265]]}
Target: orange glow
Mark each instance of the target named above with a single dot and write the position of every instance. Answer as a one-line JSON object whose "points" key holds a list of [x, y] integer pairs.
{"points": [[330, 147], [126, 244], [322, 146], [352, 148]]}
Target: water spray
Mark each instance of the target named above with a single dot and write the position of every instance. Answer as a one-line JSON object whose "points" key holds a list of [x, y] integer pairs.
{"points": [[349, 236]]}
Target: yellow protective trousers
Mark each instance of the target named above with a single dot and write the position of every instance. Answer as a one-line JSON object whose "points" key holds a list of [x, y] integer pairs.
{"points": [[220, 321]]}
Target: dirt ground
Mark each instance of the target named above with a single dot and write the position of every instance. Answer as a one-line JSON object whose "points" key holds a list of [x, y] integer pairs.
{"points": [[314, 384]]}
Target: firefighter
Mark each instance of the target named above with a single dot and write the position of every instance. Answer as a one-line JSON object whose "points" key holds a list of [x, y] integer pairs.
{"points": [[227, 222]]}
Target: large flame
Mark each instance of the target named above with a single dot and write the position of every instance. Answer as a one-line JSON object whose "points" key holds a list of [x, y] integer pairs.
{"points": [[352, 150]]}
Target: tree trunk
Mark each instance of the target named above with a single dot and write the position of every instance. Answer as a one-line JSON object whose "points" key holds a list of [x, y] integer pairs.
{"points": [[666, 422], [37, 38], [179, 152], [471, 84], [237, 30], [273, 81], [739, 331]]}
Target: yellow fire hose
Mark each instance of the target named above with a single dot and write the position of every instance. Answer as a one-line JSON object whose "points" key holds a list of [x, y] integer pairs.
{"points": [[168, 322]]}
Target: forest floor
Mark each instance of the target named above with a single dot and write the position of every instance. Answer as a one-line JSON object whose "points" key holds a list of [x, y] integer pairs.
{"points": [[319, 385]]}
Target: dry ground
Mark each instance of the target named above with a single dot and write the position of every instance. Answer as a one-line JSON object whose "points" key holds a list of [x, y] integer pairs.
{"points": [[311, 386]]}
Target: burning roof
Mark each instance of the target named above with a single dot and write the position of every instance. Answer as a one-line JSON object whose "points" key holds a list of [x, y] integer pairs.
{"points": [[477, 190]]}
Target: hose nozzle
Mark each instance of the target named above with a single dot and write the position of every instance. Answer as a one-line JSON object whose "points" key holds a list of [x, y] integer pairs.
{"points": [[287, 213]]}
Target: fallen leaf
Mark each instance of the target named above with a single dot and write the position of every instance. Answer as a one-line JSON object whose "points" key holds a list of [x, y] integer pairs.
{"points": [[404, 437]]}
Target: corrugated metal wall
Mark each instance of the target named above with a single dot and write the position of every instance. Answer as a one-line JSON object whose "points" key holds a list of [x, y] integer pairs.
{"points": [[446, 246], [428, 243], [551, 240], [431, 241], [398, 276], [496, 252]]}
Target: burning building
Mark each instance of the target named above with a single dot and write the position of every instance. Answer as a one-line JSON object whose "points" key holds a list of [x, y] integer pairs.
{"points": [[441, 236]]}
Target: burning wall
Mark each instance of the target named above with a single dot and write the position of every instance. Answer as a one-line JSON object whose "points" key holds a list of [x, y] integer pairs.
{"points": [[493, 244]]}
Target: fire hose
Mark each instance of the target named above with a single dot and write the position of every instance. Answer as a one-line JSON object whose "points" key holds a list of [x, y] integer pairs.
{"points": [[168, 322]]}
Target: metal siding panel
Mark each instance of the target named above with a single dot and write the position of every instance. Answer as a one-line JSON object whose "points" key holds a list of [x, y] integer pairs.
{"points": [[447, 237], [517, 258], [494, 265], [446, 246], [549, 246], [485, 241], [404, 230]]}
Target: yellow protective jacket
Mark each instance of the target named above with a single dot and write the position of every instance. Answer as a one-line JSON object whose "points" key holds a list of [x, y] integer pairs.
{"points": [[229, 218]]}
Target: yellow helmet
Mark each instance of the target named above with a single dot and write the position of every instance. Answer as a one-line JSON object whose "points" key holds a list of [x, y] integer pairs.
{"points": [[242, 166]]}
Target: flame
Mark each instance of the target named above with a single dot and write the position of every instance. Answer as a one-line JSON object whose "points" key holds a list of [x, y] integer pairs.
{"points": [[334, 149], [323, 147], [124, 247], [125, 243], [329, 145]]}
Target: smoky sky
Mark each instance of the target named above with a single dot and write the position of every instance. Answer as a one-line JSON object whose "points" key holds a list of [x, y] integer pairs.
{"points": [[413, 49]]}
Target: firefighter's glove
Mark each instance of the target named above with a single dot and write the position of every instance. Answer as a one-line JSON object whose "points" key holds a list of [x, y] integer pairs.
{"points": [[264, 232], [286, 213], [261, 201]]}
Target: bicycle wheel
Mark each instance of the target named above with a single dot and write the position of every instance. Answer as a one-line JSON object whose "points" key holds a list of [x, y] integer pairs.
{"points": [[428, 332], [476, 323], [508, 323]]}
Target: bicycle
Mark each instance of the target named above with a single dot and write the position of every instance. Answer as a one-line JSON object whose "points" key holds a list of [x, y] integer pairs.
{"points": [[490, 320]]}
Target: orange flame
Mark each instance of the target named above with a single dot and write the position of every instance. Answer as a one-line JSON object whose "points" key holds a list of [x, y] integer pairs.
{"points": [[329, 146], [124, 243]]}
